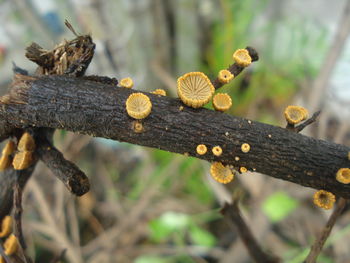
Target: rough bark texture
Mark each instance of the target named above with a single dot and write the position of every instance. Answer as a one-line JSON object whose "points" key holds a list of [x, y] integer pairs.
{"points": [[98, 109]]}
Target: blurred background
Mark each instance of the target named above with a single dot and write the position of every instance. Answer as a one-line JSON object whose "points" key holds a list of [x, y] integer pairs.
{"points": [[151, 206]]}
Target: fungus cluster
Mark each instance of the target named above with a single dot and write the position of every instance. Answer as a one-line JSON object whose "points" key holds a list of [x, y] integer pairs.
{"points": [[10, 244], [221, 173], [324, 199], [24, 157]]}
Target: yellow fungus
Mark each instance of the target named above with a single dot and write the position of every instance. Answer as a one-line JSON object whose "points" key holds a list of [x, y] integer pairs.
{"points": [[137, 127], [243, 169], [217, 151], [138, 106], [181, 108], [221, 173], [195, 89], [222, 102], [2, 260], [225, 76], [343, 175], [11, 245], [159, 92], [245, 147], [324, 199], [22, 160], [295, 114], [186, 154], [242, 57], [126, 83], [236, 158], [6, 226], [26, 143], [201, 149], [9, 148], [5, 162]]}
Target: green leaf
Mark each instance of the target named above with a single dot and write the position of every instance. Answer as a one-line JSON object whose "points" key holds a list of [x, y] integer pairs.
{"points": [[278, 205], [151, 259], [201, 237], [162, 227]]}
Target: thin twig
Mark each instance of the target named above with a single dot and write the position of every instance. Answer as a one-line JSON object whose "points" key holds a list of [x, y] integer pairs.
{"points": [[306, 123], [234, 218], [17, 203], [320, 241]]}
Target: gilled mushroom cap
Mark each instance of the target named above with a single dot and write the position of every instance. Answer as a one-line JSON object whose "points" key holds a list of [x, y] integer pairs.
{"points": [[138, 106], [26, 143], [295, 114], [126, 83], [324, 199], [159, 92], [6, 226], [22, 160], [222, 101], [11, 245], [221, 173], [225, 76], [343, 175], [242, 57], [9, 148], [195, 89]]}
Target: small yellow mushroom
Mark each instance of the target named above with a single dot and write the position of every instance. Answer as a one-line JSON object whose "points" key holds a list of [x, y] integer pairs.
{"points": [[195, 89], [221, 173], [5, 162], [217, 151], [159, 92], [242, 57], [324, 199], [138, 106], [11, 245], [26, 143], [9, 148], [2, 260], [22, 160], [343, 175], [225, 76], [295, 114], [222, 102], [245, 147], [137, 127], [6, 226], [201, 149], [126, 83], [242, 169]]}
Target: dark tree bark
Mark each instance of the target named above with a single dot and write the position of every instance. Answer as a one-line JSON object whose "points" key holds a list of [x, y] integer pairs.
{"points": [[98, 109]]}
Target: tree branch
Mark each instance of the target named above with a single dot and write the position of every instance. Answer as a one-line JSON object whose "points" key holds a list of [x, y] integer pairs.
{"points": [[98, 109]]}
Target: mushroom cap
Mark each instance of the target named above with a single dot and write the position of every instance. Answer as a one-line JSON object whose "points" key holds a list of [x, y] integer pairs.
{"points": [[245, 147], [221, 173], [295, 114], [217, 150], [222, 101], [138, 106], [195, 89], [9, 148], [225, 76], [243, 169], [242, 57], [22, 160], [324, 199], [6, 226], [5, 162], [159, 92], [201, 149], [343, 175], [26, 143], [126, 83], [11, 245]]}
